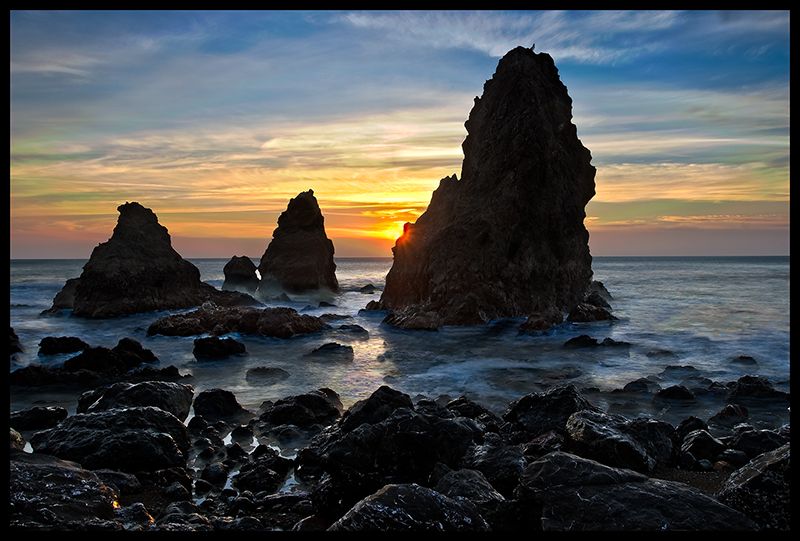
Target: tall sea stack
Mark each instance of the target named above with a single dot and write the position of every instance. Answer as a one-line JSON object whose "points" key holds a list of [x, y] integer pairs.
{"points": [[508, 238], [300, 256], [137, 270]]}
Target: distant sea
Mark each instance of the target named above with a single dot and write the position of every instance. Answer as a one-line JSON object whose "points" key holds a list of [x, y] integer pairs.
{"points": [[696, 311]]}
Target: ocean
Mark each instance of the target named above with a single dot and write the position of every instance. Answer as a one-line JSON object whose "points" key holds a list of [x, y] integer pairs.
{"points": [[697, 311]]}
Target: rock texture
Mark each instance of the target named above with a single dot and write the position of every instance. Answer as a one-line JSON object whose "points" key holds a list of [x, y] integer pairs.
{"points": [[173, 398], [240, 275], [300, 255], [137, 270], [508, 238]]}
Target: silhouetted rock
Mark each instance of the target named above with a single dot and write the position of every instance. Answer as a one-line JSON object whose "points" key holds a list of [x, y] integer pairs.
{"points": [[131, 439], [410, 508], [675, 392], [219, 404], [300, 255], [38, 418], [380, 405], [52, 345], [240, 275], [745, 360], [265, 375], [133, 353], [319, 407], [174, 398], [209, 318], [582, 341], [641, 385], [14, 344], [761, 489], [575, 494], [137, 270], [368, 289], [216, 348], [332, 352], [508, 238], [64, 299]]}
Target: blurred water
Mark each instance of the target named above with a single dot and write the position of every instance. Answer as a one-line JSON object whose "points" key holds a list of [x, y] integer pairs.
{"points": [[704, 310]]}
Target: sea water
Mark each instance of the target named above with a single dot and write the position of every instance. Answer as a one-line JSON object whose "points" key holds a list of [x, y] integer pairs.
{"points": [[698, 311]]}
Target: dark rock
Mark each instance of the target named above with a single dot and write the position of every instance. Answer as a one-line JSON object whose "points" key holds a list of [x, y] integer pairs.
{"points": [[242, 433], [745, 360], [595, 299], [508, 239], [660, 353], [542, 321], [502, 464], [754, 387], [702, 445], [597, 288], [587, 313], [736, 458], [300, 255], [64, 299], [265, 375], [38, 418], [219, 404], [761, 489], [541, 445], [368, 289], [132, 439], [471, 485], [240, 275], [610, 342], [276, 322], [136, 270], [97, 359], [263, 473], [45, 492], [380, 405], [674, 392], [14, 344], [690, 424], [356, 330], [680, 371], [216, 348], [17, 441], [576, 494], [124, 483], [638, 444], [582, 341], [704, 465], [757, 442], [133, 353], [373, 305], [52, 345], [216, 474], [729, 415], [319, 407], [202, 487], [641, 385], [134, 517], [410, 508], [323, 304], [197, 424], [427, 406], [332, 352], [463, 407], [174, 398], [537, 413]]}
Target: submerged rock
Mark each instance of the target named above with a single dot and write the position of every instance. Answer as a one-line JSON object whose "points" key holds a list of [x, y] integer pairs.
{"points": [[137, 270], [217, 348], [507, 239], [240, 275], [265, 375], [332, 352], [174, 398], [576, 494], [38, 418], [52, 345], [410, 508], [209, 318], [300, 256]]}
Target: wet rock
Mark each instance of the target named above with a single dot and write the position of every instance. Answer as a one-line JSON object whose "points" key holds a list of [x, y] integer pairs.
{"points": [[216, 474], [216, 348], [240, 275], [587, 313], [660, 353], [757, 442], [736, 458], [541, 445], [38, 417], [219, 404], [242, 434], [134, 517], [730, 415], [133, 353], [597, 288], [688, 425], [202, 486], [332, 352], [276, 322], [542, 321], [641, 385], [754, 387], [45, 492], [582, 341], [463, 407], [576, 494], [319, 407], [674, 392], [300, 255], [638, 444], [680, 371], [761, 489], [17, 441], [702, 445], [266, 472], [507, 239], [123, 483], [471, 485], [64, 299], [197, 424], [410, 507], [52, 345], [14, 344], [744, 360], [355, 330], [596, 299], [537, 413], [380, 405], [502, 464], [131, 440], [368, 289], [265, 375], [174, 398], [137, 270], [97, 359]]}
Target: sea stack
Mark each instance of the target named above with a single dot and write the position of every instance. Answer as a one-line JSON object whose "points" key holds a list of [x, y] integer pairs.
{"points": [[240, 275], [508, 238], [300, 256], [137, 270]]}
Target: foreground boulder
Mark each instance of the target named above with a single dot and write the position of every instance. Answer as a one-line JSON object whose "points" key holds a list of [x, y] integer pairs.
{"points": [[137, 270], [410, 508], [319, 407], [131, 440], [174, 398], [52, 345], [219, 404], [300, 256], [576, 494], [508, 238], [537, 413], [45, 492], [209, 318], [38, 417], [761, 489], [240, 275]]}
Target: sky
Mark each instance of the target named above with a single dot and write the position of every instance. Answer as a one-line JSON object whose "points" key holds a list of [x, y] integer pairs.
{"points": [[216, 119]]}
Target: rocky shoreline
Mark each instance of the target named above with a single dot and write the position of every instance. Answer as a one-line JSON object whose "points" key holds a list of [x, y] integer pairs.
{"points": [[129, 460]]}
